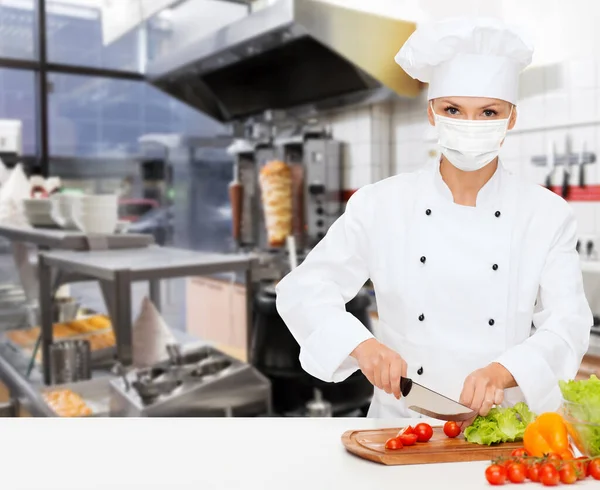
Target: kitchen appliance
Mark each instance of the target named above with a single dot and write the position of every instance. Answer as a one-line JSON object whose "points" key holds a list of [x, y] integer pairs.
{"points": [[250, 154], [431, 404], [315, 159], [70, 361], [198, 382], [300, 56], [275, 353]]}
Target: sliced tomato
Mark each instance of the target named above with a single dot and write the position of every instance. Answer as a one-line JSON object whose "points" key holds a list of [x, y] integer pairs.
{"points": [[406, 430], [393, 443], [408, 439]]}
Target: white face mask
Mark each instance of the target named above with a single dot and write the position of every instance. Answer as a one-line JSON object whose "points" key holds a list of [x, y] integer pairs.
{"points": [[470, 145]]}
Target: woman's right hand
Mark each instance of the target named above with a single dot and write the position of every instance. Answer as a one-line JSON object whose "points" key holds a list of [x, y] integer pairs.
{"points": [[382, 366]]}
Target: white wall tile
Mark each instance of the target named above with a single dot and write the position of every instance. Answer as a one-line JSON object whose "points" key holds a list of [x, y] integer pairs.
{"points": [[347, 155], [533, 143], [530, 113], [583, 105], [400, 133], [585, 214], [362, 124], [361, 154], [356, 177], [531, 83], [416, 130], [400, 156], [557, 110], [375, 173], [556, 78], [511, 149], [581, 73]]}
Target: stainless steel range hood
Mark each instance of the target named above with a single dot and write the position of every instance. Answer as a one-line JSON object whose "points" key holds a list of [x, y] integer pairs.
{"points": [[295, 55]]}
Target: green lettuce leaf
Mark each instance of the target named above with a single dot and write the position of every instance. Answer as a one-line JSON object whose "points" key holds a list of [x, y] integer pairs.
{"points": [[509, 425], [526, 415], [484, 432], [584, 396], [500, 425]]}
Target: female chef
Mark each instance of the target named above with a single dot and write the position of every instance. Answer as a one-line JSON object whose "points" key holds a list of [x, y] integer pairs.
{"points": [[463, 255]]}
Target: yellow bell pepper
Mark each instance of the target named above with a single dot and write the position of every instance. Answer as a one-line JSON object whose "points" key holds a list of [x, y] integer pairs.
{"points": [[547, 434]]}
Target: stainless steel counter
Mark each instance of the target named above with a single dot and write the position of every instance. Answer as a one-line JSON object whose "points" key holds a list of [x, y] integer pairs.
{"points": [[71, 240]]}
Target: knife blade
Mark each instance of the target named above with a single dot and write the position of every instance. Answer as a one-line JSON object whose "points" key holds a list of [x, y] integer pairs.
{"points": [[433, 404]]}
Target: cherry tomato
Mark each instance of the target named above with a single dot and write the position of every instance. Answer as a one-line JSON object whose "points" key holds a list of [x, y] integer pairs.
{"points": [[408, 439], [393, 443], [554, 457], [568, 474], [495, 474], [533, 472], [584, 467], [451, 429], [567, 455], [594, 469], [549, 475], [406, 430], [424, 432], [519, 453], [516, 472]]}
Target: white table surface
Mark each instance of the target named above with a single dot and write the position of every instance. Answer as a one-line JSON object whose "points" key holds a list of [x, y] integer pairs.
{"points": [[210, 454]]}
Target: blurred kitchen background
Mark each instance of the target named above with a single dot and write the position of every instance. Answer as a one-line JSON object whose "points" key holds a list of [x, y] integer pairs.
{"points": [[177, 105]]}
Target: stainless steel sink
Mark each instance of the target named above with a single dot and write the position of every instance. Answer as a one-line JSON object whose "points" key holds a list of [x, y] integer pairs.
{"points": [[201, 382]]}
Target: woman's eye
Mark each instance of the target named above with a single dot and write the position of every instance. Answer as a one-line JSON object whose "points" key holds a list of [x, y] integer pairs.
{"points": [[489, 113], [452, 111]]}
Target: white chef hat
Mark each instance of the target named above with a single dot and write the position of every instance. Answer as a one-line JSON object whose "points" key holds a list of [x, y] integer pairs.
{"points": [[469, 57]]}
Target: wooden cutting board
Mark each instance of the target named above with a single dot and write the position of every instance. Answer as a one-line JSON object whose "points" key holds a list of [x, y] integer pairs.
{"points": [[370, 444]]}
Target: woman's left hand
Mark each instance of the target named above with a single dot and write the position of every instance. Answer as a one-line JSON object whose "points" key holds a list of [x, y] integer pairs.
{"points": [[485, 387]]}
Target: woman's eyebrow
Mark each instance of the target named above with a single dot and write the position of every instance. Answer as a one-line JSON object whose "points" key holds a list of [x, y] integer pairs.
{"points": [[450, 102], [493, 104]]}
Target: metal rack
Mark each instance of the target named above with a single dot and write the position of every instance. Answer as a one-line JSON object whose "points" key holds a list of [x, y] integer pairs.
{"points": [[11, 363], [116, 270]]}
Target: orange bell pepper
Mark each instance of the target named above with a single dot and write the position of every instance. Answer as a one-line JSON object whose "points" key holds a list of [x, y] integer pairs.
{"points": [[547, 434]]}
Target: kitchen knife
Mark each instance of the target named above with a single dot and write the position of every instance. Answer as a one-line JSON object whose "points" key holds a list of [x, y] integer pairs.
{"points": [[433, 404], [567, 168], [582, 167], [550, 164]]}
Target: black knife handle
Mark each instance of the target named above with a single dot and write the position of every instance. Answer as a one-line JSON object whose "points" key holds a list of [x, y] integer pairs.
{"points": [[549, 182], [566, 183], [405, 386], [582, 176]]}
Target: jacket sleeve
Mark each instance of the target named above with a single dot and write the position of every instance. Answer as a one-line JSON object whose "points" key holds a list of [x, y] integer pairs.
{"points": [[312, 298], [563, 325]]}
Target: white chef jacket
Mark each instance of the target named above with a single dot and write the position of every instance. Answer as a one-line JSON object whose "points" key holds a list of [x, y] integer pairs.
{"points": [[457, 287]]}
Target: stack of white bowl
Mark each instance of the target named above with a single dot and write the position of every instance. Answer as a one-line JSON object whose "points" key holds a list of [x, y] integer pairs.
{"points": [[39, 212], [95, 214], [62, 210]]}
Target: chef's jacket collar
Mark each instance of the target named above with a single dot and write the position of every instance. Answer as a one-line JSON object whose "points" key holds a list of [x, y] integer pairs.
{"points": [[488, 195]]}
